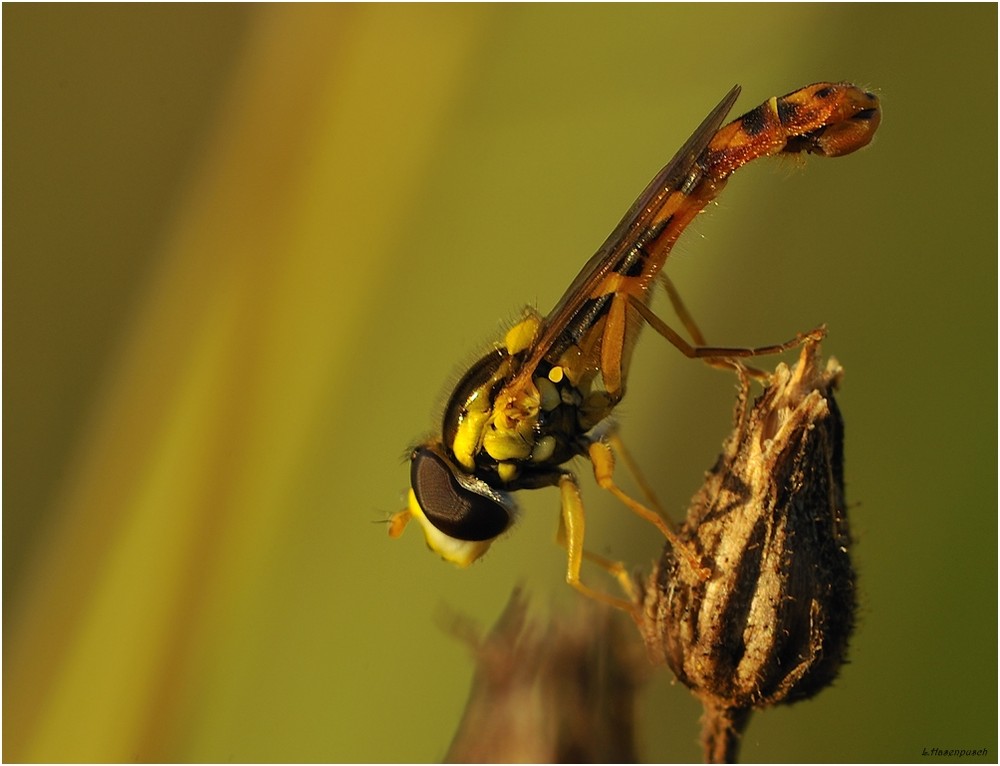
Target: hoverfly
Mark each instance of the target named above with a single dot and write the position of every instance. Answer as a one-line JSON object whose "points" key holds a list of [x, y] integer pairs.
{"points": [[540, 396]]}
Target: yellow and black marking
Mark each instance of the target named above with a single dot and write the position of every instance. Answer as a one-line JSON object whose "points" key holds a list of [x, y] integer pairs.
{"points": [[531, 404]]}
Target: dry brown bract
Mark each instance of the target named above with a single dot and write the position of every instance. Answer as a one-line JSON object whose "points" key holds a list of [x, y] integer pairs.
{"points": [[561, 690]]}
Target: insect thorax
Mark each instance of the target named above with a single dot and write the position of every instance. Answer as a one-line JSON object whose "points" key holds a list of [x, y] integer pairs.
{"points": [[516, 435]]}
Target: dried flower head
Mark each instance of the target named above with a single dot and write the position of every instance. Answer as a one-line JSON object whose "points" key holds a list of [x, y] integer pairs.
{"points": [[770, 624]]}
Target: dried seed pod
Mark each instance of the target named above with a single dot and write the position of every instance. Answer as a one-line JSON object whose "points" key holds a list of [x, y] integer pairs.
{"points": [[770, 624]]}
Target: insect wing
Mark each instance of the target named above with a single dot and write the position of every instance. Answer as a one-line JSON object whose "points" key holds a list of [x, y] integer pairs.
{"points": [[628, 232]]}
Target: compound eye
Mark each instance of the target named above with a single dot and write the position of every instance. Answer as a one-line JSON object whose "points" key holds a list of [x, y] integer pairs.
{"points": [[454, 507]]}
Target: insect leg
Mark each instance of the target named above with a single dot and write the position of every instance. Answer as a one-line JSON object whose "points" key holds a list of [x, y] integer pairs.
{"points": [[604, 465], [619, 449], [571, 530], [681, 310], [703, 352], [614, 568], [687, 319]]}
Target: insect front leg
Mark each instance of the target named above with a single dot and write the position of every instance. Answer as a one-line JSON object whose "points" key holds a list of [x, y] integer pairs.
{"points": [[571, 532]]}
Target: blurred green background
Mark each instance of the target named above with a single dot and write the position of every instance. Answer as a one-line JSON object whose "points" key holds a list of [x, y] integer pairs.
{"points": [[245, 249]]}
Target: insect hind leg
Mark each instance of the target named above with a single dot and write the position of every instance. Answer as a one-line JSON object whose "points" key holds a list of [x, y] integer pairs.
{"points": [[681, 310], [725, 355]]}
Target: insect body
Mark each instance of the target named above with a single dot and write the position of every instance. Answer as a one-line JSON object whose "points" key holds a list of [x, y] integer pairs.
{"points": [[536, 401]]}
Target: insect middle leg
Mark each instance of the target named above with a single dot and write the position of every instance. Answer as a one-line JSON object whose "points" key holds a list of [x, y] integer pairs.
{"points": [[619, 449], [602, 458]]}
